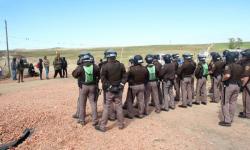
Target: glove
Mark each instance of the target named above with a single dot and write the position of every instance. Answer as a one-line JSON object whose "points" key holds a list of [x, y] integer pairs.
{"points": [[121, 86]]}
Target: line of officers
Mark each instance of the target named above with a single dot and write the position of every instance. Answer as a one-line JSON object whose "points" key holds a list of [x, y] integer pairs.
{"points": [[154, 84]]}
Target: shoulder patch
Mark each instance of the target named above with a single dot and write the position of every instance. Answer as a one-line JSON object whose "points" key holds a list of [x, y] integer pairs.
{"points": [[247, 68], [226, 67]]}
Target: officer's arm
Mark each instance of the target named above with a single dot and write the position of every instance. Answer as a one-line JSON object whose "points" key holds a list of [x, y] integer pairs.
{"points": [[77, 72], [227, 73], [124, 75]]}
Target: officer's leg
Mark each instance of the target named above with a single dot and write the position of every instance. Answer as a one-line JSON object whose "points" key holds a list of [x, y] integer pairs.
{"points": [[104, 119], [165, 102], [184, 92], [233, 101], [147, 98], [198, 90], [189, 91], [171, 97], [93, 104], [177, 89], [140, 99], [119, 110], [129, 104], [247, 101], [82, 104], [192, 87], [225, 105], [155, 95], [204, 90]]}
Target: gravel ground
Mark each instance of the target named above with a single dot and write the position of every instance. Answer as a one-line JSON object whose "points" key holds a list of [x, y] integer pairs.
{"points": [[47, 107]]}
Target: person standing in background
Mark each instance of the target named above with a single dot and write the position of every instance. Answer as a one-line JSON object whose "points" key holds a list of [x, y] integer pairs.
{"points": [[46, 66], [58, 65], [20, 69], [40, 67], [64, 67], [13, 68]]}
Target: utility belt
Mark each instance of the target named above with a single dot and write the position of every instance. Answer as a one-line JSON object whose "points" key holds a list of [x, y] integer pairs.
{"points": [[115, 89], [134, 84], [172, 81], [216, 76], [187, 76], [227, 83]]}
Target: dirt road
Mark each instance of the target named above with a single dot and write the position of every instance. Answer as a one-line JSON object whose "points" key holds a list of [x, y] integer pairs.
{"points": [[47, 107]]}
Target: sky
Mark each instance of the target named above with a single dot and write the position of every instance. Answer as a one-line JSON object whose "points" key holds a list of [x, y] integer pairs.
{"points": [[105, 23]]}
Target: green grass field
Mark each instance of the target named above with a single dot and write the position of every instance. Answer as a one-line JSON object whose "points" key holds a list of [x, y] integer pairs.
{"points": [[129, 51]]}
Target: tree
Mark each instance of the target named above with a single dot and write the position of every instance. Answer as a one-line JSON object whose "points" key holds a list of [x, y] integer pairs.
{"points": [[238, 43], [231, 43]]}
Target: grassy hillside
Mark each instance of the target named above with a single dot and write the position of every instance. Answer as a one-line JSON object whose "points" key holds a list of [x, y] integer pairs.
{"points": [[72, 54]]}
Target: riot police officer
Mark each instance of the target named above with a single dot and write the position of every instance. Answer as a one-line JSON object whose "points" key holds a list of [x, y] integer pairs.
{"points": [[201, 74], [113, 77], [167, 74], [88, 75], [175, 59], [216, 73], [137, 79], [186, 72], [152, 85], [245, 62], [231, 88]]}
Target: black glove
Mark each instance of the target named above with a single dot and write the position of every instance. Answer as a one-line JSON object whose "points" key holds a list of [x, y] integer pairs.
{"points": [[121, 86]]}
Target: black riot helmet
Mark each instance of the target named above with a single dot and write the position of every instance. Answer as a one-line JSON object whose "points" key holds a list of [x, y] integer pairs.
{"points": [[187, 56], [246, 53], [175, 56], [138, 59], [83, 53], [215, 56], [201, 57], [85, 58], [167, 58], [149, 59], [110, 53], [231, 57], [225, 52]]}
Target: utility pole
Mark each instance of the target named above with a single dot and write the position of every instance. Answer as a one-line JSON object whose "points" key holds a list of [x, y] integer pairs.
{"points": [[7, 46]]}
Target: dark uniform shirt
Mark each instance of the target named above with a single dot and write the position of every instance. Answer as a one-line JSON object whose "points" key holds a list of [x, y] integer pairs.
{"points": [[217, 68], [157, 64], [168, 71], [113, 73], [79, 73], [186, 70], [235, 70], [137, 74], [246, 68], [198, 71]]}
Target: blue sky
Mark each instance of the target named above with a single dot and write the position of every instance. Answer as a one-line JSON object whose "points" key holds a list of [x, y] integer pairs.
{"points": [[97, 23]]}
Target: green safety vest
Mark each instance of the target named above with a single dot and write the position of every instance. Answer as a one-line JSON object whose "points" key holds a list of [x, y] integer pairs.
{"points": [[152, 72], [205, 69], [88, 73]]}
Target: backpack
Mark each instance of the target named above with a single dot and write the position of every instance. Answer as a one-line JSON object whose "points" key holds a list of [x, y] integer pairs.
{"points": [[152, 72], [89, 77]]}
